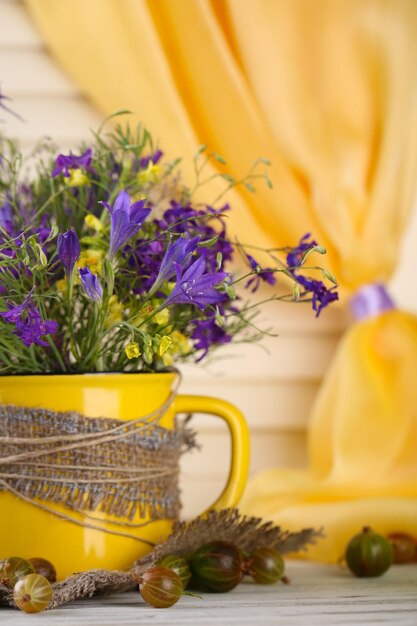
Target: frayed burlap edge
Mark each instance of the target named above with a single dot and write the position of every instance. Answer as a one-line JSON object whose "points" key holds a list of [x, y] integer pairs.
{"points": [[248, 533]]}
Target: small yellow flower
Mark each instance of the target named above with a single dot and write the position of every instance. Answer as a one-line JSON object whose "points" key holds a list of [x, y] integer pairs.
{"points": [[132, 350], [61, 286], [150, 175], [77, 178], [164, 345], [162, 317], [168, 359], [91, 258], [115, 313], [181, 345], [93, 222]]}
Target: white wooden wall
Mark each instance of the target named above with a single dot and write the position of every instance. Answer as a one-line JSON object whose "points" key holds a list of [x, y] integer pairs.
{"points": [[275, 390]]}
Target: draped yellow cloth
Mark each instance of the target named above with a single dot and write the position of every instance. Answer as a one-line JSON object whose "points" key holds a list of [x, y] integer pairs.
{"points": [[327, 89]]}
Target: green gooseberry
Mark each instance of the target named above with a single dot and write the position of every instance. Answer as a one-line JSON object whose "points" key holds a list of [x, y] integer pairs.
{"points": [[160, 587], [14, 568], [404, 547], [217, 566], [179, 565], [266, 566], [44, 567], [368, 554], [32, 593]]}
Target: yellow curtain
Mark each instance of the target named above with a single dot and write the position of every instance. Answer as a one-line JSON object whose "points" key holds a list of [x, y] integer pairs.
{"points": [[327, 89]]}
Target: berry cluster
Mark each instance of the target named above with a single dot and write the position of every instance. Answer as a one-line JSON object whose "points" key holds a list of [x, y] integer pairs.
{"points": [[216, 567], [369, 554], [31, 581]]}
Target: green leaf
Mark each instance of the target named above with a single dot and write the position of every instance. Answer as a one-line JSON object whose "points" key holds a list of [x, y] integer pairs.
{"points": [[200, 149], [120, 112], [171, 166], [219, 261], [108, 273], [219, 319], [219, 158], [53, 232], [209, 242], [296, 291], [329, 276], [93, 242], [42, 256], [230, 292]]}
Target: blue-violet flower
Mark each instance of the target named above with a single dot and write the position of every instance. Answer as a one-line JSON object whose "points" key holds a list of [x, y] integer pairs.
{"points": [[31, 328], [151, 158], [15, 311], [64, 162], [195, 287], [321, 295], [91, 284], [208, 333], [177, 252], [295, 256], [126, 220], [68, 248], [266, 274]]}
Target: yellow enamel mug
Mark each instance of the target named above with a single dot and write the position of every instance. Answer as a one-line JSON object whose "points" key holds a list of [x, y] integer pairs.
{"points": [[28, 530]]}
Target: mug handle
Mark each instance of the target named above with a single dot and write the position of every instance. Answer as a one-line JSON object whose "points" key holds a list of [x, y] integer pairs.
{"points": [[239, 431]]}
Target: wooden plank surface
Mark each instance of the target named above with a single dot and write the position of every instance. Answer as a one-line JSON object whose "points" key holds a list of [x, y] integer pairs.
{"points": [[318, 595]]}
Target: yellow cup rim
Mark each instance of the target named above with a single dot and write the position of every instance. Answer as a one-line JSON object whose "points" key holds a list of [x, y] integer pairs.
{"points": [[96, 377]]}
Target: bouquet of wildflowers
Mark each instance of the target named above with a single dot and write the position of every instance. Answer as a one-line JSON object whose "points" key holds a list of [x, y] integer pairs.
{"points": [[108, 264]]}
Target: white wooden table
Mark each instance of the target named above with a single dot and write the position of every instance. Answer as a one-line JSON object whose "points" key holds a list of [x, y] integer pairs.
{"points": [[318, 595]]}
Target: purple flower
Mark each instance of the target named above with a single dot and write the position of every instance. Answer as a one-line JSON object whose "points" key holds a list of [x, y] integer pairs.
{"points": [[126, 220], [31, 328], [178, 252], [195, 287], [15, 311], [91, 284], [145, 259], [6, 217], [266, 274], [68, 248], [64, 162], [208, 333], [208, 223], [154, 158], [295, 257], [321, 295]]}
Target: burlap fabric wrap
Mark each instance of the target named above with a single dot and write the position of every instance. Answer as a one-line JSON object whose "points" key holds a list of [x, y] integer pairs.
{"points": [[90, 464]]}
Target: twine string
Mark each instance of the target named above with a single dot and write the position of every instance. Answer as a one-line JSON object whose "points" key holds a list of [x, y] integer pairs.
{"points": [[107, 466], [73, 520], [87, 439]]}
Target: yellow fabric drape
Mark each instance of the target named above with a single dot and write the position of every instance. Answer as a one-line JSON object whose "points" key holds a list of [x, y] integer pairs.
{"points": [[327, 89]]}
